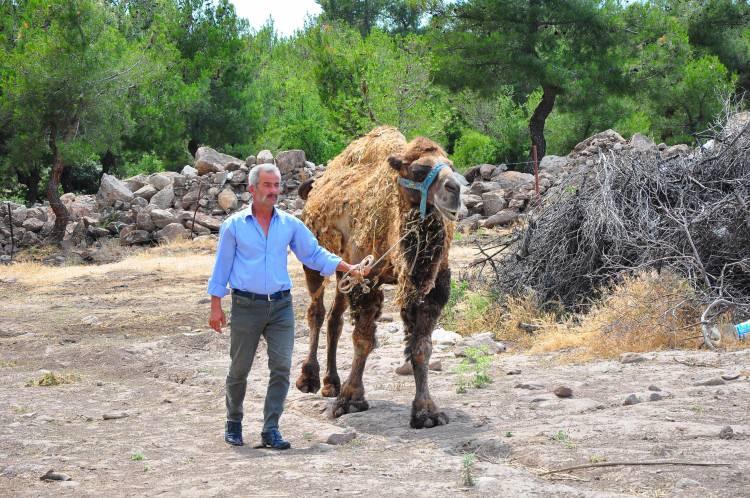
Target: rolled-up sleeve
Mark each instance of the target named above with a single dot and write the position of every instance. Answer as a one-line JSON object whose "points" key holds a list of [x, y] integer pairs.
{"points": [[217, 284], [305, 246]]}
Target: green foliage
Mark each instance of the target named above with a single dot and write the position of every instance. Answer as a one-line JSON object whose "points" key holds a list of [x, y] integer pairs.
{"points": [[467, 469], [473, 148], [146, 164], [563, 438], [473, 371]]}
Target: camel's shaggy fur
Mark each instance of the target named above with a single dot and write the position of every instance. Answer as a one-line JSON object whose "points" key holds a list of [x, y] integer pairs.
{"points": [[358, 208]]}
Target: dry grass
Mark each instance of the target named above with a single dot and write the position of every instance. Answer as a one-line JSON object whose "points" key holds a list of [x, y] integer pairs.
{"points": [[186, 258], [646, 312], [52, 379]]}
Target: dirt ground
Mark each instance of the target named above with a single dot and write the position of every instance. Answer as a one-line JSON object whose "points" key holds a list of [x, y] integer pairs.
{"points": [[142, 408]]}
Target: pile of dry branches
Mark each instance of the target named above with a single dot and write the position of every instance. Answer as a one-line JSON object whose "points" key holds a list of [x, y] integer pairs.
{"points": [[638, 210]]}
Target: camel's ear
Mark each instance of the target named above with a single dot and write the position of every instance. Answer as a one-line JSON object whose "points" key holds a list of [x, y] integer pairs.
{"points": [[396, 161]]}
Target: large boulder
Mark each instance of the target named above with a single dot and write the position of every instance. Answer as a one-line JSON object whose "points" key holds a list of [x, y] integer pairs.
{"points": [[208, 221], [164, 198], [135, 182], [162, 217], [33, 224], [264, 157], [290, 160], [111, 190], [135, 237], [493, 202], [143, 221], [146, 192], [641, 143], [553, 164], [159, 180], [504, 217], [227, 200], [510, 180], [172, 232], [208, 160]]}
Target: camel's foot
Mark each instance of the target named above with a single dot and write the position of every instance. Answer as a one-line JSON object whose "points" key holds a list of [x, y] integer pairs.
{"points": [[343, 406], [424, 415], [309, 380], [331, 386]]}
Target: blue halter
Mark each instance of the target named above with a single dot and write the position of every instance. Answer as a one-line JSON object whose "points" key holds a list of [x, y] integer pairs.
{"points": [[423, 187]]}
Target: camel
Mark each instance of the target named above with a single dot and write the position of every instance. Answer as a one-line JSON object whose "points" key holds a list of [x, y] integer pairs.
{"points": [[366, 202]]}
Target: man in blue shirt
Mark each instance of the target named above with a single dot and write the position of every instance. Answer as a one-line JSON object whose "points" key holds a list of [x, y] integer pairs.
{"points": [[252, 258]]}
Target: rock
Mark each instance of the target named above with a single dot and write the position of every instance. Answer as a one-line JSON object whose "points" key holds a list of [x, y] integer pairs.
{"points": [[641, 143], [208, 221], [730, 376], [264, 157], [136, 182], [338, 439], [442, 336], [715, 381], [172, 232], [115, 415], [290, 160], [406, 367], [504, 217], [227, 200], [159, 181], [484, 341], [632, 358], [686, 483], [486, 171], [493, 202], [563, 392], [198, 229], [239, 178], [208, 160], [675, 150], [135, 237], [553, 165], [250, 161], [233, 166], [32, 224], [143, 221], [146, 192], [514, 371], [189, 171], [162, 217], [460, 179], [654, 388], [632, 399], [110, 190], [164, 198], [726, 432], [471, 200], [479, 188], [139, 202], [51, 475], [529, 386], [511, 180], [655, 397]]}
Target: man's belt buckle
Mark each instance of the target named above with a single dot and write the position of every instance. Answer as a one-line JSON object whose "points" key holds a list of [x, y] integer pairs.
{"points": [[269, 297]]}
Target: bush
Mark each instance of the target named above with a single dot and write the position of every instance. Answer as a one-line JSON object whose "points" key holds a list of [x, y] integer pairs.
{"points": [[473, 148], [146, 164]]}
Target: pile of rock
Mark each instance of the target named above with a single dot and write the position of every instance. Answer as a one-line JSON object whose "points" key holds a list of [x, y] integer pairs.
{"points": [[161, 206], [495, 196]]}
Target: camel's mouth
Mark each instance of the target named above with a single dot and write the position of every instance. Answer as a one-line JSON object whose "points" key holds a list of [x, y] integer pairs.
{"points": [[447, 213]]}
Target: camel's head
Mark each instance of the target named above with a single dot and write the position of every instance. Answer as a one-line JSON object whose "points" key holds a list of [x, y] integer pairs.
{"points": [[423, 164]]}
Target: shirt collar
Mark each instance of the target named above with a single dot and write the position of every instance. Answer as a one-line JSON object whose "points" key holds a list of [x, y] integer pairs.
{"points": [[250, 214]]}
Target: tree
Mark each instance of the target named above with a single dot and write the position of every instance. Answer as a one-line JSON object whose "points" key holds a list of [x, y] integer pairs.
{"points": [[548, 44], [64, 85]]}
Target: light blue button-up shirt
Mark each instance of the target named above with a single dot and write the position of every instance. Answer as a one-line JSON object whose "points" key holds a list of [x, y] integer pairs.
{"points": [[248, 260]]}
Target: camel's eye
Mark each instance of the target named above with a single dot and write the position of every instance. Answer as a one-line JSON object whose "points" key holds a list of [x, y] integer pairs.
{"points": [[420, 171]]}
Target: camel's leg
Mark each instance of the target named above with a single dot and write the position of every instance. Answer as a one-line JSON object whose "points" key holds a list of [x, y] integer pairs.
{"points": [[365, 309], [331, 382], [419, 320], [309, 379]]}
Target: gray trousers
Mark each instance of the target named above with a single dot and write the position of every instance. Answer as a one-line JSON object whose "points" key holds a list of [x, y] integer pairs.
{"points": [[274, 320]]}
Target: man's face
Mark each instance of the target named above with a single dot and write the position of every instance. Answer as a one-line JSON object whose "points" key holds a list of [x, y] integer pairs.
{"points": [[266, 193]]}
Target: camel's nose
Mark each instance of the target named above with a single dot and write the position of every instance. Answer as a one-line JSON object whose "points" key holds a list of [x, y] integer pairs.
{"points": [[452, 186]]}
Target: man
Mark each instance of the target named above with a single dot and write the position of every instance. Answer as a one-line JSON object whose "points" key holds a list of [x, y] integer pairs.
{"points": [[252, 258]]}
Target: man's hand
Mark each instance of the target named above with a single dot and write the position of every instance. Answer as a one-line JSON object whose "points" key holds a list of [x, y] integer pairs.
{"points": [[354, 270], [217, 319]]}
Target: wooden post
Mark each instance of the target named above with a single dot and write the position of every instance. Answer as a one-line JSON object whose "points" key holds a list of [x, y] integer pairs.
{"points": [[536, 172], [12, 240]]}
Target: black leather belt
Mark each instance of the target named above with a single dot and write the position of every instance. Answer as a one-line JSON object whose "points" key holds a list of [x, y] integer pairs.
{"points": [[262, 297]]}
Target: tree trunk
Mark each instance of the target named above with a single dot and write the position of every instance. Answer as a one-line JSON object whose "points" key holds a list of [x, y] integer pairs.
{"points": [[61, 212], [31, 180], [536, 123], [108, 162]]}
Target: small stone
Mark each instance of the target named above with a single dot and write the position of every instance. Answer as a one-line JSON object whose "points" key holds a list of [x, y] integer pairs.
{"points": [[114, 415], [530, 387], [655, 397], [686, 483], [632, 399], [654, 388], [726, 433], [730, 376], [563, 392], [405, 369], [632, 358], [436, 366], [515, 371], [339, 439], [716, 381], [51, 475]]}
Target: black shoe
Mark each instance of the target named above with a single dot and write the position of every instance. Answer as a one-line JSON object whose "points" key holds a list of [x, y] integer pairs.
{"points": [[233, 433], [273, 439]]}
